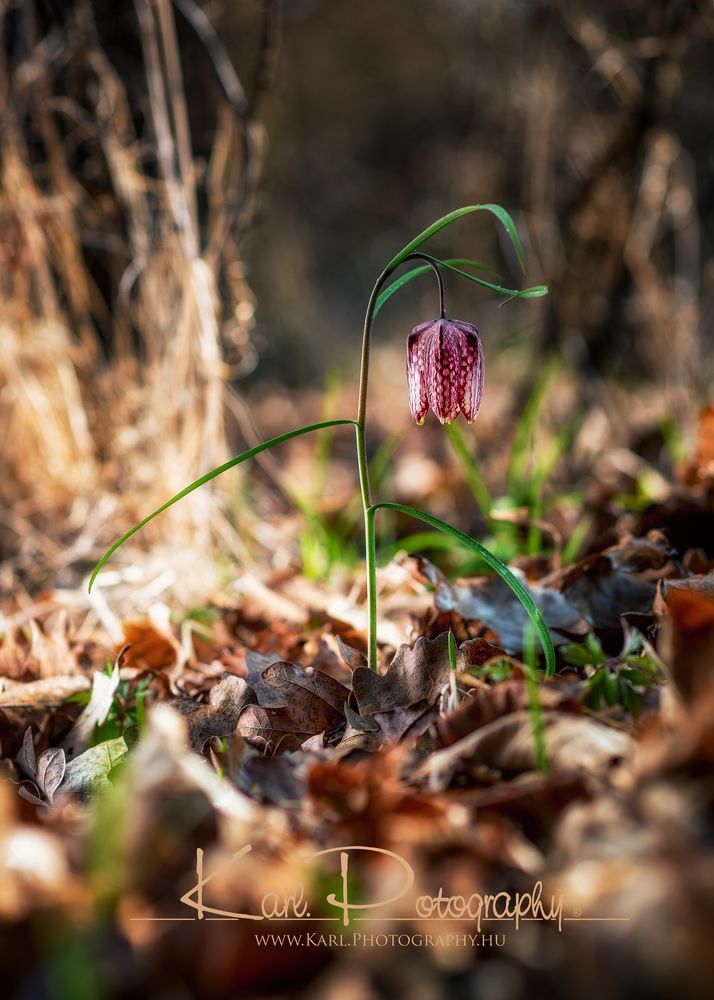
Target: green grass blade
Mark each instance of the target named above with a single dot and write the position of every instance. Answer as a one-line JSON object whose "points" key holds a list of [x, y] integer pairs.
{"points": [[521, 591], [453, 653], [420, 541], [535, 712], [207, 478], [500, 213], [517, 477], [472, 473]]}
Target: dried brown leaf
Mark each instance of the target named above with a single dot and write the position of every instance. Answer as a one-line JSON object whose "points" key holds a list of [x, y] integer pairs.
{"points": [[219, 717], [418, 673], [507, 746], [687, 642], [483, 706]]}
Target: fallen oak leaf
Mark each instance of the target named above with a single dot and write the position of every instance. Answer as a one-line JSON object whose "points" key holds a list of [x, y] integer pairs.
{"points": [[152, 644], [478, 651], [89, 773], [27, 758], [85, 775], [51, 769], [418, 673], [277, 729], [219, 717], [278, 684], [293, 704], [276, 780], [405, 723], [360, 734], [352, 657], [402, 702]]}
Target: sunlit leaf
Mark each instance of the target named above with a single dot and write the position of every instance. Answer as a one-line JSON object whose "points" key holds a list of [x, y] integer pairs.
{"points": [[420, 269], [500, 213]]}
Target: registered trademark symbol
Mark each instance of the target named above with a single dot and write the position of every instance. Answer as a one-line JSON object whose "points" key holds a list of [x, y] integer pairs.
{"points": [[577, 913]]}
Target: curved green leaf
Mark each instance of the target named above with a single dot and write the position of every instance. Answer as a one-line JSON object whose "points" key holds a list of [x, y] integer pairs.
{"points": [[422, 269], [207, 478], [521, 591], [534, 292], [500, 213]]}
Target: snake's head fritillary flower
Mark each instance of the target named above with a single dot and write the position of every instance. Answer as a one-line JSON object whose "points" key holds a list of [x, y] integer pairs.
{"points": [[445, 370]]}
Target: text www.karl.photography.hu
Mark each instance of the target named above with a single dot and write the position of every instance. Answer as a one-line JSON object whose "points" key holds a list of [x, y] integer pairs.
{"points": [[367, 940]]}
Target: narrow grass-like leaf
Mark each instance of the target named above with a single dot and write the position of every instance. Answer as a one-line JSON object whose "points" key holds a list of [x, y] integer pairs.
{"points": [[420, 269], [207, 478], [517, 476], [452, 652], [477, 483], [420, 541], [534, 292], [519, 589], [535, 712], [500, 213]]}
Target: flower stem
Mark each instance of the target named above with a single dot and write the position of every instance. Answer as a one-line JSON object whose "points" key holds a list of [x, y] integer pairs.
{"points": [[362, 463], [370, 552]]}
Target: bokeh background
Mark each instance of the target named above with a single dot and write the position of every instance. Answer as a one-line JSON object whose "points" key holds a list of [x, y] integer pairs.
{"points": [[195, 202]]}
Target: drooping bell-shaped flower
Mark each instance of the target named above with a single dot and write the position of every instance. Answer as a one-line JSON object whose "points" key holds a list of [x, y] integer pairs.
{"points": [[445, 370]]}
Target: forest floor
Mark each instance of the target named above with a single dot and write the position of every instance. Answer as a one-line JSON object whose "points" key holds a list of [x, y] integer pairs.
{"points": [[142, 755]]}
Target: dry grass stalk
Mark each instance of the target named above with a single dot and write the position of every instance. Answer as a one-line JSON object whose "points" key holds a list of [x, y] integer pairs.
{"points": [[118, 299]]}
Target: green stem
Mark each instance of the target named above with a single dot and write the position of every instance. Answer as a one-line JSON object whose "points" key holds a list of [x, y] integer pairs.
{"points": [[212, 475], [370, 549], [362, 463], [521, 592]]}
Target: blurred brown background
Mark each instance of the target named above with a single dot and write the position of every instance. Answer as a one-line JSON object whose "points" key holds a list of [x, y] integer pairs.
{"points": [[590, 121], [195, 201]]}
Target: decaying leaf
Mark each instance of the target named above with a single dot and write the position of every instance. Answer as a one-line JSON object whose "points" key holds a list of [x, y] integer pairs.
{"points": [[279, 684], [152, 644], [352, 657], [486, 705], [276, 780], [31, 650], [687, 643], [489, 600], [621, 579], [418, 673], [219, 717], [51, 771], [46, 772], [276, 730], [506, 746], [88, 773]]}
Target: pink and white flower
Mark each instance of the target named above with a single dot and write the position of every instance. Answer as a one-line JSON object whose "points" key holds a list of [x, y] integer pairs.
{"points": [[445, 369]]}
